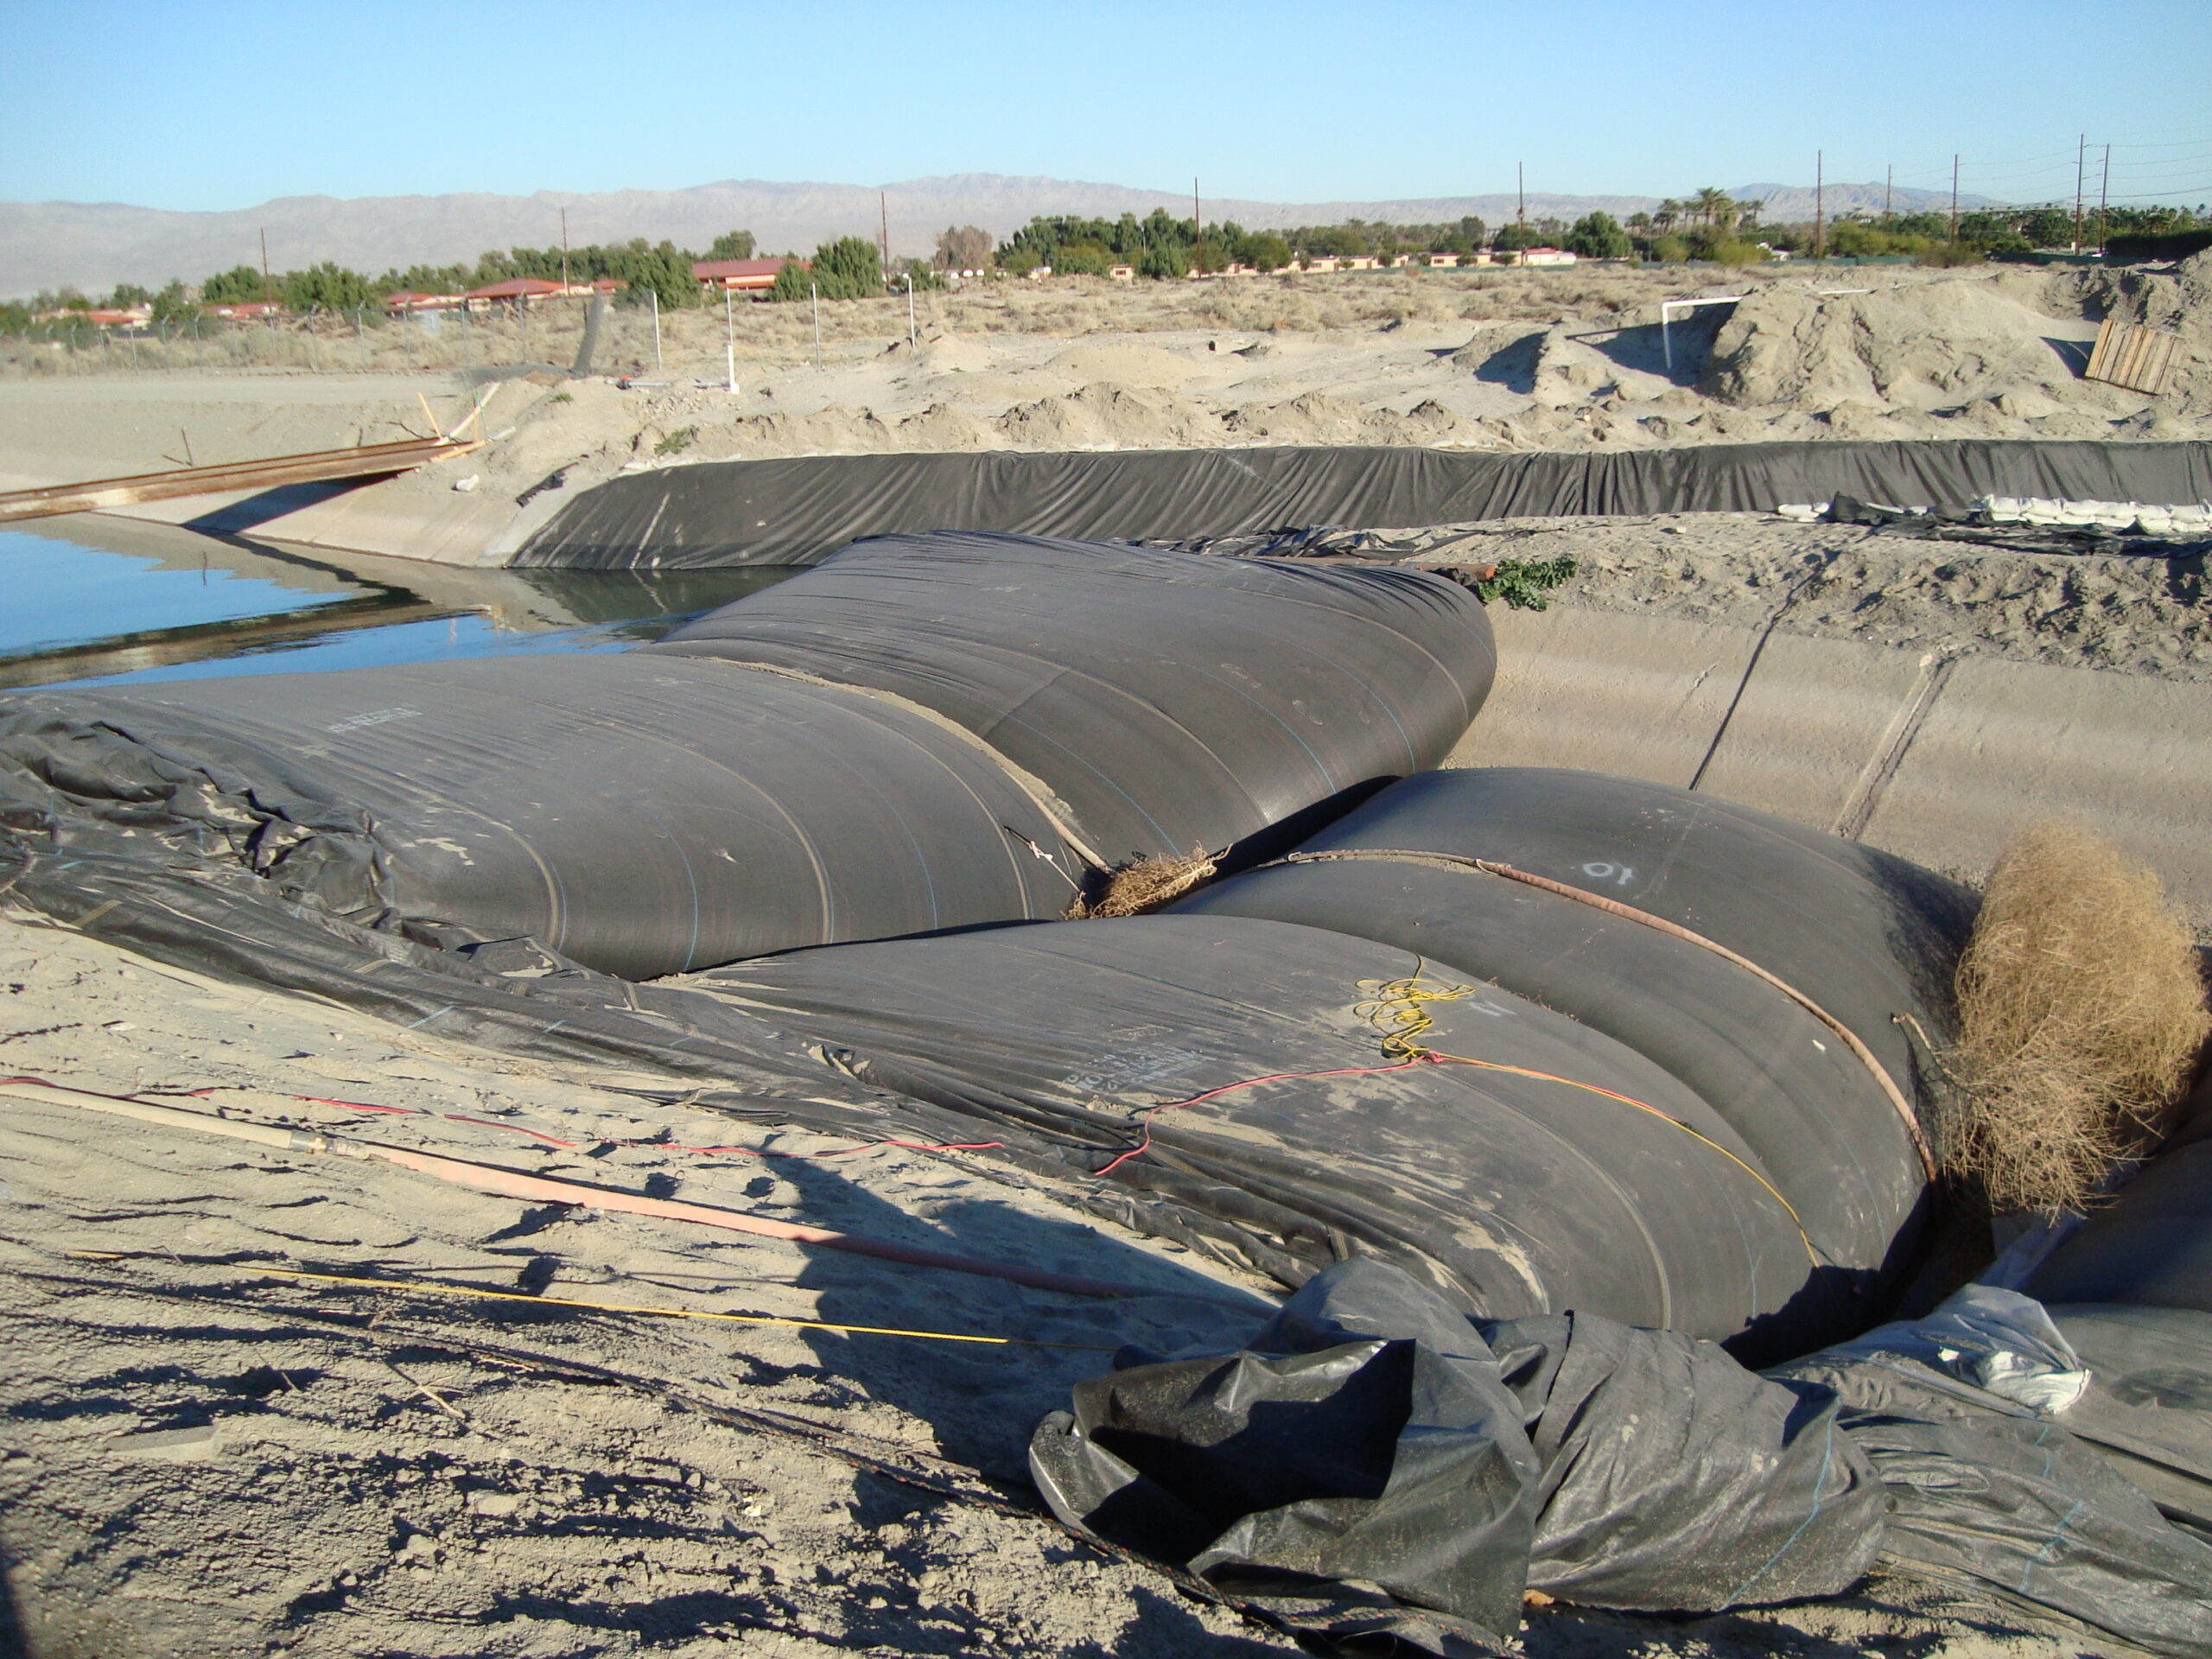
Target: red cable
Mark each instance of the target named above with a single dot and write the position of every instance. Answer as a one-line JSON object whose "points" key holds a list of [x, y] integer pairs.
{"points": [[1145, 1145]]}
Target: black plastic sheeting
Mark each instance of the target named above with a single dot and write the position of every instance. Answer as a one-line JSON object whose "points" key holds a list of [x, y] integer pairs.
{"points": [[1370, 1432], [1373, 1463], [1866, 936], [639, 815], [2149, 1406], [1509, 1194], [797, 511], [2040, 1509], [1171, 701], [2152, 1246]]}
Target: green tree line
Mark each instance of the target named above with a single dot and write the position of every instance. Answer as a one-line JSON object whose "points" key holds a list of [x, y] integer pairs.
{"points": [[661, 269]]}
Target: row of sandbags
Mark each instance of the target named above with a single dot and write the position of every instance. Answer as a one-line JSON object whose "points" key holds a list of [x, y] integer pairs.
{"points": [[927, 732]]}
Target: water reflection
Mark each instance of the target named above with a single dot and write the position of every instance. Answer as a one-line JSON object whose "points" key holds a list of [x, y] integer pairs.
{"points": [[99, 601]]}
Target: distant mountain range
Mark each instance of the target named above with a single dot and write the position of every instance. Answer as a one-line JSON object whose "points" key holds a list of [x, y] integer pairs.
{"points": [[94, 246]]}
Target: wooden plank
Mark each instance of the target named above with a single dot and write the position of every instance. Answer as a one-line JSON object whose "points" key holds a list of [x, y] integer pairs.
{"points": [[363, 460], [2141, 360], [2101, 353]]}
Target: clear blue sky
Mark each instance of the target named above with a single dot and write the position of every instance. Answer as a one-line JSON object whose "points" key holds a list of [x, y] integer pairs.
{"points": [[217, 106]]}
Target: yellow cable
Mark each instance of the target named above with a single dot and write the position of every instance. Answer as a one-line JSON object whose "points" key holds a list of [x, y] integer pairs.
{"points": [[429, 1287], [1396, 1008]]}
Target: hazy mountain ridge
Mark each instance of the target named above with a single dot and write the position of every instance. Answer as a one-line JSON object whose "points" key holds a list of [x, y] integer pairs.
{"points": [[94, 245]]}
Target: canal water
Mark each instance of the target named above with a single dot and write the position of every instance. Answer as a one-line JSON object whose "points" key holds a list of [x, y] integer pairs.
{"points": [[103, 602]]}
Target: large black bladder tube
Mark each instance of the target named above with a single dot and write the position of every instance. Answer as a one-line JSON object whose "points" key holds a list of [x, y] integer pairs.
{"points": [[1864, 935], [1173, 701]]}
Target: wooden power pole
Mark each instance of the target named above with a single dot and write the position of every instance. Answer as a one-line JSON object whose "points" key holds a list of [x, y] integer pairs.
{"points": [[266, 294], [1954, 197], [2081, 162], [1820, 204], [2104, 196]]}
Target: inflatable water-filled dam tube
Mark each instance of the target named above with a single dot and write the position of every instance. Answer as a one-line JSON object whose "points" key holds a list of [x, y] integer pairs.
{"points": [[923, 736], [1171, 701], [1869, 939], [650, 811], [798, 510], [1542, 1166]]}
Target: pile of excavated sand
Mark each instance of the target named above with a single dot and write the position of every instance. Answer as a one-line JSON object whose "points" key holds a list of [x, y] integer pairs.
{"points": [[1492, 360], [2180, 303], [2136, 612]]}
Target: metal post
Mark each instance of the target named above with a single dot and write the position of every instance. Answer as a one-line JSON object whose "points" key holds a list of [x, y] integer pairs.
{"points": [[658, 366]]}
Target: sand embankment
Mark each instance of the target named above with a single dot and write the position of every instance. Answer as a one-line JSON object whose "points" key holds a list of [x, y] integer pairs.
{"points": [[1500, 360]]}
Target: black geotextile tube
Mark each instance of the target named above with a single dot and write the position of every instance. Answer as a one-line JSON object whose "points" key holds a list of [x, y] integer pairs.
{"points": [[1173, 701], [800, 510], [1863, 934], [1580, 1186], [639, 815], [1371, 1437]]}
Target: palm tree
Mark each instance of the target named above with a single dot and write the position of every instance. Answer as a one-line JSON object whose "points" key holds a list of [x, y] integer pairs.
{"points": [[1714, 206], [1667, 213]]}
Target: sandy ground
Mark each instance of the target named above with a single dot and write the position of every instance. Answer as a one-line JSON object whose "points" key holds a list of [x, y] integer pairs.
{"points": [[195, 1458], [1488, 360], [2141, 611]]}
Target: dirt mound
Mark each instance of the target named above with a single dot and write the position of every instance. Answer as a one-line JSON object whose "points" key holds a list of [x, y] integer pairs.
{"points": [[1918, 347], [835, 430], [1123, 365], [1110, 417], [941, 426], [2179, 300]]}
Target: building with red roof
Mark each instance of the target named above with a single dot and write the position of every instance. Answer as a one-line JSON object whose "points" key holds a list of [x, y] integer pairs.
{"points": [[739, 275], [532, 290]]}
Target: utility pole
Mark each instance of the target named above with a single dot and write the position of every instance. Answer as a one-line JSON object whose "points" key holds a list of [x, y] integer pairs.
{"points": [[2104, 195], [1954, 196], [266, 295], [1520, 192], [1889, 178], [658, 366], [815, 289], [883, 210], [2081, 162], [1197, 229], [564, 251], [1819, 204], [730, 341]]}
